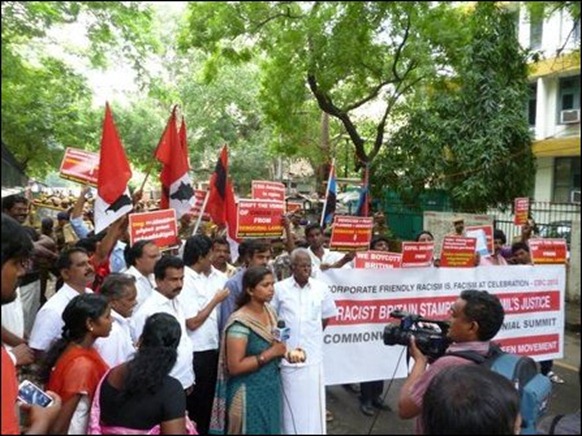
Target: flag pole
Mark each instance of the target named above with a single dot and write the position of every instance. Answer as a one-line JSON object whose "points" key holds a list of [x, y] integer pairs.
{"points": [[199, 220], [332, 169]]}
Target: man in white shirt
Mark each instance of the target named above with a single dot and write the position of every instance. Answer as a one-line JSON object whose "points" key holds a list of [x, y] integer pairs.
{"points": [[322, 258], [77, 273], [220, 257], [141, 258], [118, 347], [203, 291], [305, 305], [169, 275]]}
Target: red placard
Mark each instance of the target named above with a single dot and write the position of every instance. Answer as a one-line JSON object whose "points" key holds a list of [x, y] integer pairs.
{"points": [[351, 233], [521, 210], [160, 226], [488, 229], [377, 259], [80, 166], [417, 254], [458, 252], [263, 190], [259, 218], [199, 196], [548, 251], [293, 206]]}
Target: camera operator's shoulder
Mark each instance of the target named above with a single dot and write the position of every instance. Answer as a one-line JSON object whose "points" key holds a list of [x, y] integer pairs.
{"points": [[446, 361]]}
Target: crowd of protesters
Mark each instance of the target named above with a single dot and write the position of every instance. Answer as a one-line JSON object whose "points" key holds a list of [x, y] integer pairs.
{"points": [[127, 338]]}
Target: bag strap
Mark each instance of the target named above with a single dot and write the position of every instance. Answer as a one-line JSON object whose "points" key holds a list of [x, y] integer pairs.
{"points": [[554, 423]]}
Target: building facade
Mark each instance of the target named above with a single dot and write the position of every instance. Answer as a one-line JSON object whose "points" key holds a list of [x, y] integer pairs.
{"points": [[554, 106]]}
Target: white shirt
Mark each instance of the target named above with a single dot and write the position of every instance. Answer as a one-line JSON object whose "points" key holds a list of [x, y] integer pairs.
{"points": [[329, 257], [145, 286], [13, 316], [196, 293], [183, 370], [48, 325], [118, 346], [302, 309]]}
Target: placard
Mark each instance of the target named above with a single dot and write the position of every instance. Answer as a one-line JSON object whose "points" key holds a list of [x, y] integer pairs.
{"points": [[80, 166], [548, 251], [264, 190], [521, 210], [458, 252], [417, 254], [199, 196], [159, 225], [351, 233], [294, 206], [484, 247], [259, 218], [377, 259]]}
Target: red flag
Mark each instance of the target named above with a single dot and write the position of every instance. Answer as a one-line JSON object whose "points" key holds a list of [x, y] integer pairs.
{"points": [[113, 200], [221, 202], [177, 191]]}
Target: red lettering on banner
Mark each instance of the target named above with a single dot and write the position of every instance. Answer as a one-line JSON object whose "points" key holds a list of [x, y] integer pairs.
{"points": [[531, 345], [351, 312], [526, 302]]}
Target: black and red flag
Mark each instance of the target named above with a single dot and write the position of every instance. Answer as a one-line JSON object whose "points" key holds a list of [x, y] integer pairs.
{"points": [[177, 191], [221, 201]]}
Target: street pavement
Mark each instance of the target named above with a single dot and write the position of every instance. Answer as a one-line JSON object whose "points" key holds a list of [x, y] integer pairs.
{"points": [[348, 419]]}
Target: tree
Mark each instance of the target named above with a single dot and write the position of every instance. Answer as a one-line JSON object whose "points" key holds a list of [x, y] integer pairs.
{"points": [[469, 134], [46, 104], [336, 56]]}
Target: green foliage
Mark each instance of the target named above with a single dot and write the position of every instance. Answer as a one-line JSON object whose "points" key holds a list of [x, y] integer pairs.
{"points": [[335, 56], [470, 136], [46, 105]]}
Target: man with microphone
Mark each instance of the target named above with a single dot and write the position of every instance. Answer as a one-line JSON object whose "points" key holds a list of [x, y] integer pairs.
{"points": [[304, 305]]}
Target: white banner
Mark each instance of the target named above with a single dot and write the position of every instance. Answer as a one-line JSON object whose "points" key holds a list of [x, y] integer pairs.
{"points": [[354, 351]]}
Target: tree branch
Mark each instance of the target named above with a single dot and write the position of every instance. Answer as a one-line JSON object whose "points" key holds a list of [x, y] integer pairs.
{"points": [[326, 104], [286, 14], [372, 95], [399, 49]]}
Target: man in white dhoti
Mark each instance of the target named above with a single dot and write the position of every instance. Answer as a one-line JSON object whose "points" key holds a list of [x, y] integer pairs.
{"points": [[305, 305]]}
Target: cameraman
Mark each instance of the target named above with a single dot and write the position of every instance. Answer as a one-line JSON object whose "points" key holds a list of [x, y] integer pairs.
{"points": [[475, 318]]}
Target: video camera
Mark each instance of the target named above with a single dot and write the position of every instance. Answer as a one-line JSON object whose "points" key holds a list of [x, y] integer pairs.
{"points": [[431, 336]]}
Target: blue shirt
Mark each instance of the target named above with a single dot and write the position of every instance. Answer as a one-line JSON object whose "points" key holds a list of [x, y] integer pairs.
{"points": [[116, 258], [79, 227], [234, 285]]}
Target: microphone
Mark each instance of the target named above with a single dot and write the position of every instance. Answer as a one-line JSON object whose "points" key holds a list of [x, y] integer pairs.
{"points": [[281, 333]]}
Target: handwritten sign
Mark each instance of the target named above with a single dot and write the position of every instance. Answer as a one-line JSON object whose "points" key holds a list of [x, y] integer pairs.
{"points": [[521, 210], [377, 259], [548, 251], [458, 252], [351, 233], [417, 254], [263, 190], [80, 166], [259, 218], [160, 226]]}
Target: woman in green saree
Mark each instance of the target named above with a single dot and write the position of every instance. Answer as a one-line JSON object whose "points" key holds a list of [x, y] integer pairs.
{"points": [[248, 388]]}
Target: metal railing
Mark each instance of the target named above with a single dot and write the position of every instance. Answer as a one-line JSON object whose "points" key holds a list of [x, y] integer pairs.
{"points": [[553, 220]]}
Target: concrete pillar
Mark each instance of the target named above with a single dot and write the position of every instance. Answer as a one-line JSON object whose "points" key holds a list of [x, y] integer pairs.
{"points": [[573, 274]]}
